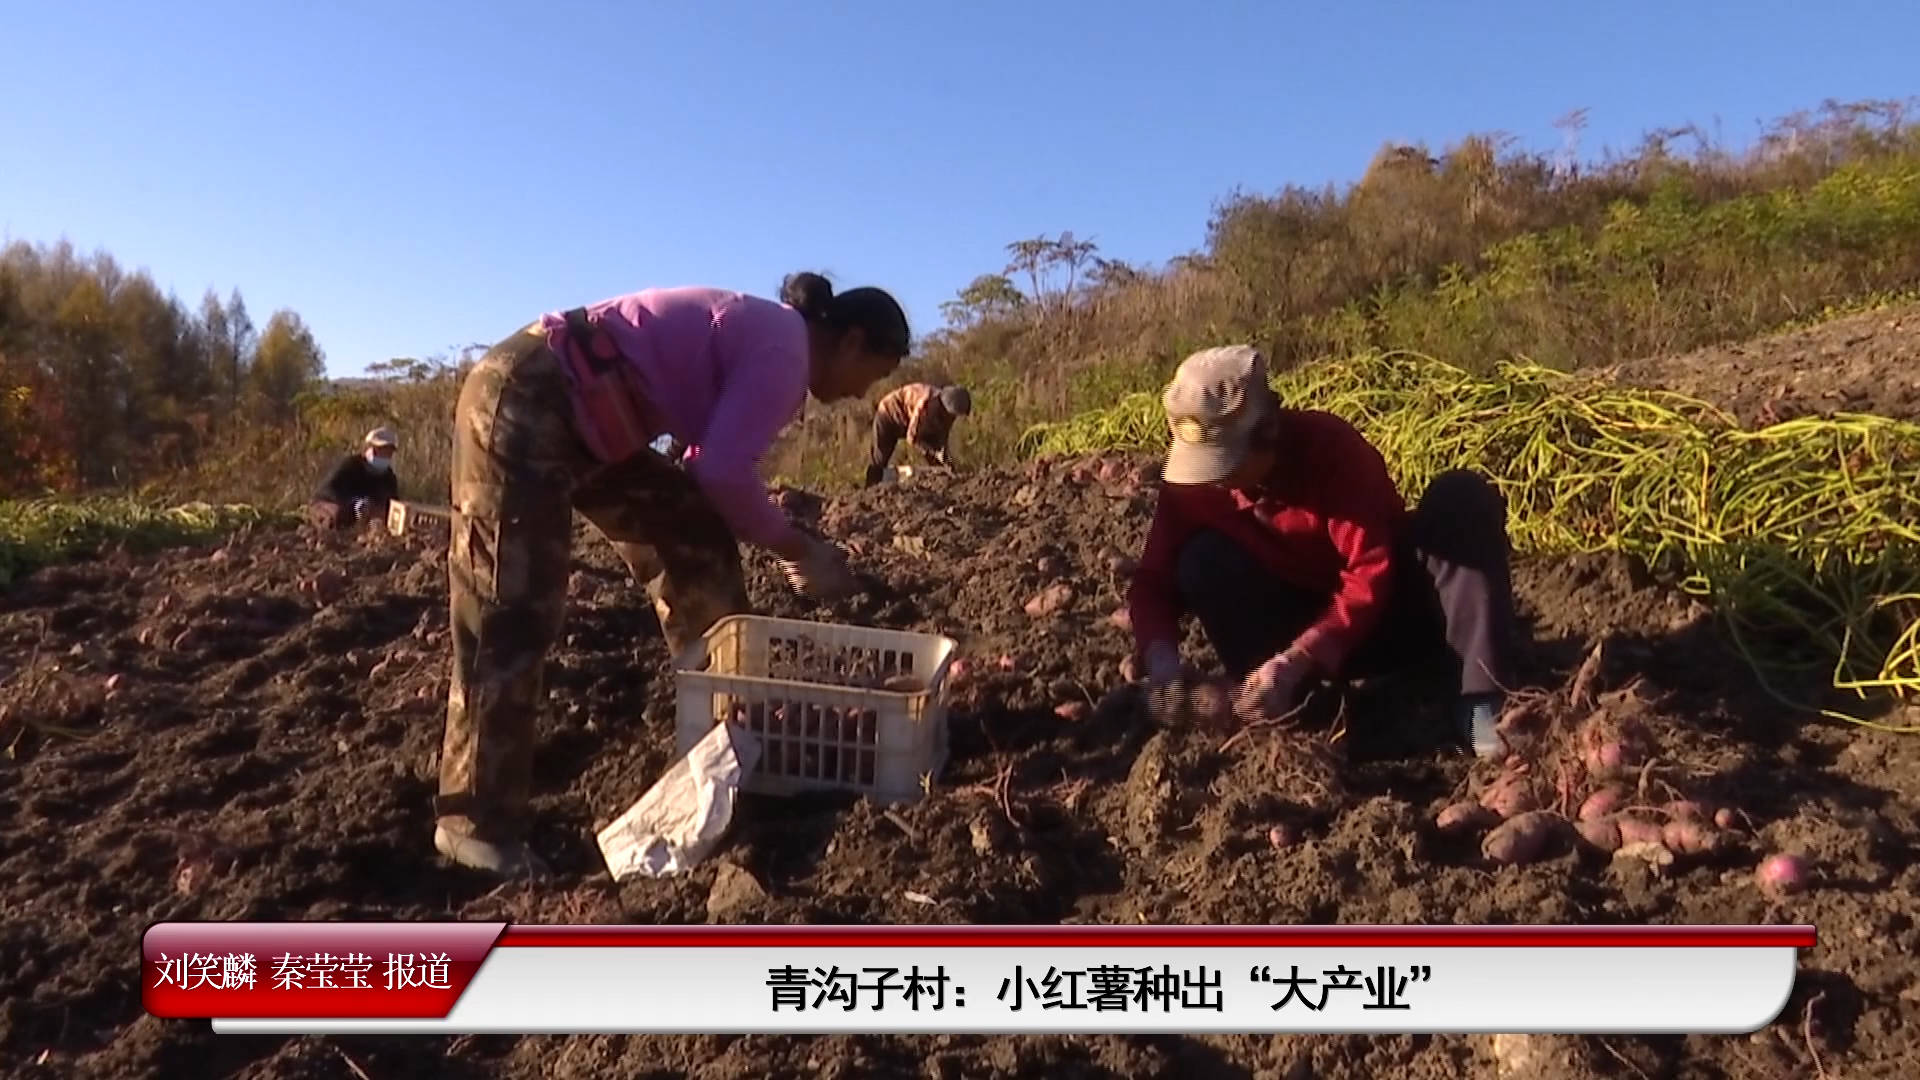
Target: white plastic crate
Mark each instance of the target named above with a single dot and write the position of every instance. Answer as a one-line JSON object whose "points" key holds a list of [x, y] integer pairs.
{"points": [[781, 680]]}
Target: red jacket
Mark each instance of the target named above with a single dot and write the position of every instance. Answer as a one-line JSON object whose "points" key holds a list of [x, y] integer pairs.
{"points": [[1326, 521]]}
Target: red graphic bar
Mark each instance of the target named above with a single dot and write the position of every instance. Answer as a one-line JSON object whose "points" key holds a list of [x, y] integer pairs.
{"points": [[1168, 937], [310, 970], [419, 970]]}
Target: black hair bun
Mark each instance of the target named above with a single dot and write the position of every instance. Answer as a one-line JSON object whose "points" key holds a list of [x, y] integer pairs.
{"points": [[808, 293]]}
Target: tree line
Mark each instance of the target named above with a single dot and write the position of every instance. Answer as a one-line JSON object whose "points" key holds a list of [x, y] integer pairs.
{"points": [[1478, 252], [106, 380]]}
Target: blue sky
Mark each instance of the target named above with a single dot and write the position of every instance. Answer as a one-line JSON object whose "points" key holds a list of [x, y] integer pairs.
{"points": [[414, 176]]}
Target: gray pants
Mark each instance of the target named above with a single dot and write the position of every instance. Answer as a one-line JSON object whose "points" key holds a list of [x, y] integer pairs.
{"points": [[1452, 594]]}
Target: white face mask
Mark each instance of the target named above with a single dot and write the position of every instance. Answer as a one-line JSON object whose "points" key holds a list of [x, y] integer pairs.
{"points": [[379, 464]]}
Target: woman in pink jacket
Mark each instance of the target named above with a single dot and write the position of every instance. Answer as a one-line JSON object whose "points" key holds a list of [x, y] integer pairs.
{"points": [[559, 418]]}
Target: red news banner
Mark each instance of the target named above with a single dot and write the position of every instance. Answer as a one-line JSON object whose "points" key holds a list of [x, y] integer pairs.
{"points": [[490, 977], [405, 970]]}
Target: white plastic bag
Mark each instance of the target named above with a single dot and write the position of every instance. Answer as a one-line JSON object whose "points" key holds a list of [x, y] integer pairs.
{"points": [[678, 821]]}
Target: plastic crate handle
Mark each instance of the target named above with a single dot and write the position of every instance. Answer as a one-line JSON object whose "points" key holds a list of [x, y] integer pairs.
{"points": [[696, 656]]}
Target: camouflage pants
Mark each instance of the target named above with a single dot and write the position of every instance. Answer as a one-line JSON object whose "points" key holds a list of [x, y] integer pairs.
{"points": [[887, 435], [519, 472]]}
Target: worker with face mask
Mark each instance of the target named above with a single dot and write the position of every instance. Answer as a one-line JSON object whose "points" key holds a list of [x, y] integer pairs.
{"points": [[360, 487]]}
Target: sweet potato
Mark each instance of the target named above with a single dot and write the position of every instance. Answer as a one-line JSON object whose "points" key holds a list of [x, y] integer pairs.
{"points": [[1050, 600], [1688, 810], [1465, 816], [1609, 746], [1523, 717], [1130, 669], [1605, 759], [1073, 711], [1689, 836], [1602, 833], [1521, 839], [1510, 796], [1781, 875], [1638, 830], [1725, 819], [1122, 619], [1283, 835], [1601, 803]]}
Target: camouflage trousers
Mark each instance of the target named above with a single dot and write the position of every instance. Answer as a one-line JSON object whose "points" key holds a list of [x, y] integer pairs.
{"points": [[519, 473], [887, 435]]}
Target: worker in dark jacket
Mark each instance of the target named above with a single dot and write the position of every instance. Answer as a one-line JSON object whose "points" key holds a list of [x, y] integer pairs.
{"points": [[1282, 532], [360, 487], [921, 413]]}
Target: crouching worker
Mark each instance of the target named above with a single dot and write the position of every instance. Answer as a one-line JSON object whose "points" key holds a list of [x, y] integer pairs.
{"points": [[360, 487], [921, 413], [561, 417], [1281, 531]]}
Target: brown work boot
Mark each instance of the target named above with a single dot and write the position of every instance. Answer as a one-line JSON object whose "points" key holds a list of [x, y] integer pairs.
{"points": [[456, 839]]}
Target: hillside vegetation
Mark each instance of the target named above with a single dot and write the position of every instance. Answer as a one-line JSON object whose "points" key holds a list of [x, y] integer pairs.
{"points": [[1481, 253]]}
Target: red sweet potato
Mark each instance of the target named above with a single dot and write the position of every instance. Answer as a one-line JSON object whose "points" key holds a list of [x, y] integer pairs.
{"points": [[1609, 746], [1050, 600], [1465, 816], [1638, 830], [1510, 796], [1521, 839], [1781, 875], [1602, 833], [1688, 810], [1689, 836], [1601, 803]]}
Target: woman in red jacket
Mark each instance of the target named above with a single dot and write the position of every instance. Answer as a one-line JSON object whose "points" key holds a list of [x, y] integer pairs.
{"points": [[1281, 531]]}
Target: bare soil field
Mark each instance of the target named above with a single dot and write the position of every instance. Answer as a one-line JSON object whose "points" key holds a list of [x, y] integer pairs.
{"points": [[251, 731], [1864, 363]]}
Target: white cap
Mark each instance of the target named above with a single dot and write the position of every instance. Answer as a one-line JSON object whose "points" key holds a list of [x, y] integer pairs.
{"points": [[1215, 401], [382, 436]]}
